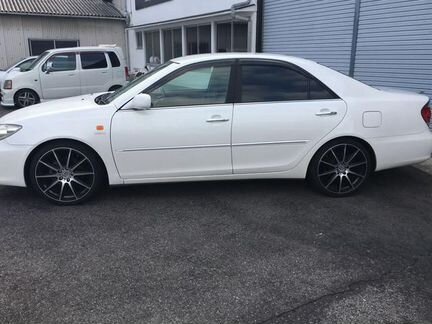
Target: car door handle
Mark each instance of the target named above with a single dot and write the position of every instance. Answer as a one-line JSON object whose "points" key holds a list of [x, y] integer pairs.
{"points": [[217, 119], [326, 113]]}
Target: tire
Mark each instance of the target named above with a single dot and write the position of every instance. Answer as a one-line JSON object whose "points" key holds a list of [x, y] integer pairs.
{"points": [[26, 97], [340, 168], [66, 173]]}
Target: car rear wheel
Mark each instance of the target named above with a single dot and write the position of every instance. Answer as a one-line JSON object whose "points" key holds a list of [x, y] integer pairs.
{"points": [[66, 173], [24, 98], [340, 168]]}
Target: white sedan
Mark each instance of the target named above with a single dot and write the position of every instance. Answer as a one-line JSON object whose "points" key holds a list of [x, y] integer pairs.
{"points": [[216, 117]]}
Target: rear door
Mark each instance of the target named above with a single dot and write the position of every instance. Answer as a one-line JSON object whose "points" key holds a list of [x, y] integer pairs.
{"points": [[96, 73], [280, 114]]}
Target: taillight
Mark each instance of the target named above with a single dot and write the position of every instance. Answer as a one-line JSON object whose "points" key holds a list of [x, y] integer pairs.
{"points": [[426, 114], [127, 73]]}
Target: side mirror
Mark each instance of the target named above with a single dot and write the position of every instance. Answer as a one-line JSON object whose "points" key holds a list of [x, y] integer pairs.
{"points": [[141, 101], [49, 67]]}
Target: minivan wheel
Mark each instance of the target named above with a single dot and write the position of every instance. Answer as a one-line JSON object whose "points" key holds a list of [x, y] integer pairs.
{"points": [[65, 173], [26, 97], [340, 168]]}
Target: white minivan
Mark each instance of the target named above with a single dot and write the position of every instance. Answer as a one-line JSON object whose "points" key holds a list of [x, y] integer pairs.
{"points": [[65, 72]]}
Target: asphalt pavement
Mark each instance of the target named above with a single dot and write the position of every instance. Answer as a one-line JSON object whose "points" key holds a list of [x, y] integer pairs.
{"points": [[221, 252]]}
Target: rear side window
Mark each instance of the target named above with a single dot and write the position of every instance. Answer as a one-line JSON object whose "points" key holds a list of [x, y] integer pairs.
{"points": [[271, 82], [115, 62], [93, 60]]}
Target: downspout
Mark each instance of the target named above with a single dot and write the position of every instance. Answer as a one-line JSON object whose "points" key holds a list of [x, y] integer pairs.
{"points": [[238, 6]]}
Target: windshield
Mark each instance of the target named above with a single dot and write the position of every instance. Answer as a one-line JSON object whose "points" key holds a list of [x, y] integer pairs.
{"points": [[109, 97], [35, 62], [26, 64]]}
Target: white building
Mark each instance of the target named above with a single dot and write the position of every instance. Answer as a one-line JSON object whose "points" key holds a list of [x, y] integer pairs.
{"points": [[162, 29]]}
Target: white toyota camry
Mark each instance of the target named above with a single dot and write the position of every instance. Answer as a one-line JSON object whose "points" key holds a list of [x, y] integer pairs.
{"points": [[216, 117]]}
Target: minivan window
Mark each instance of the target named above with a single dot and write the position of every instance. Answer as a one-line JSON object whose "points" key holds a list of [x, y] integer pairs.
{"points": [[93, 60], [36, 62], [115, 62], [61, 62]]}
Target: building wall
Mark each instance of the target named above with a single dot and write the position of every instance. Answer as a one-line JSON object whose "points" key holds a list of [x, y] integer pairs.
{"points": [[392, 46], [176, 9], [181, 14], [317, 30], [16, 30]]}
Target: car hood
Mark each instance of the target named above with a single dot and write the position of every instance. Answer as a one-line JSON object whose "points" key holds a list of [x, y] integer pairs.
{"points": [[79, 105]]}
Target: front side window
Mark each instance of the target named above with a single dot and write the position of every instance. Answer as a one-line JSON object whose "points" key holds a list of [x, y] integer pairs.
{"points": [[267, 82], [93, 60], [200, 86], [60, 62]]}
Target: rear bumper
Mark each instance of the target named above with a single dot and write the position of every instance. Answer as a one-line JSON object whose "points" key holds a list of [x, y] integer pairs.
{"points": [[397, 151], [12, 160]]}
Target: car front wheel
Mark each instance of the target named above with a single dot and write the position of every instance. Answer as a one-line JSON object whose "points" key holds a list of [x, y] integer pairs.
{"points": [[340, 168], [25, 98], [65, 173]]}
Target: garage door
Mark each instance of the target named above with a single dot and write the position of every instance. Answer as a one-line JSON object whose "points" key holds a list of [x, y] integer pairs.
{"points": [[394, 46], [316, 29]]}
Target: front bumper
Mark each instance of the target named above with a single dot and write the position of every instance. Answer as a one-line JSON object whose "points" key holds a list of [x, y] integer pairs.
{"points": [[12, 161], [7, 98]]}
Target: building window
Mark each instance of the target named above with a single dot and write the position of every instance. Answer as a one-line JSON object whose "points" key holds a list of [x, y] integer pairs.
{"points": [[139, 40], [232, 37], [141, 4], [38, 46], [172, 43], [198, 39], [152, 45]]}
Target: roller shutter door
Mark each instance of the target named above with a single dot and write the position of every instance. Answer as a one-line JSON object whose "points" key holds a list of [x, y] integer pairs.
{"points": [[314, 29], [394, 47]]}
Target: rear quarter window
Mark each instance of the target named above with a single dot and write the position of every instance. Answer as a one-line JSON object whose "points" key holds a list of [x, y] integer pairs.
{"points": [[115, 62]]}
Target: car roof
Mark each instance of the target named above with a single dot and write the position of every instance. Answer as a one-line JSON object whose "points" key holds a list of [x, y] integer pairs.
{"points": [[85, 49], [222, 56]]}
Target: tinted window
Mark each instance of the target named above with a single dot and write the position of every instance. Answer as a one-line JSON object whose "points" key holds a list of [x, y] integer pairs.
{"points": [[115, 62], [37, 47], [26, 64], [319, 91], [262, 83], [267, 82], [200, 86], [93, 60], [61, 62]]}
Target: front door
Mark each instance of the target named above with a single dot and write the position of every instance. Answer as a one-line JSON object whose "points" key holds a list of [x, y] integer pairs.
{"points": [[60, 77], [187, 132], [282, 112]]}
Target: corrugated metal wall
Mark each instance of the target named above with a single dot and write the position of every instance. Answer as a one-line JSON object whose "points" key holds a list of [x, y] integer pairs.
{"points": [[314, 29], [394, 45], [16, 30]]}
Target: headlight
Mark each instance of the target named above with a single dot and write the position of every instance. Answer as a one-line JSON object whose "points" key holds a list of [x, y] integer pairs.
{"points": [[8, 130], [7, 85]]}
